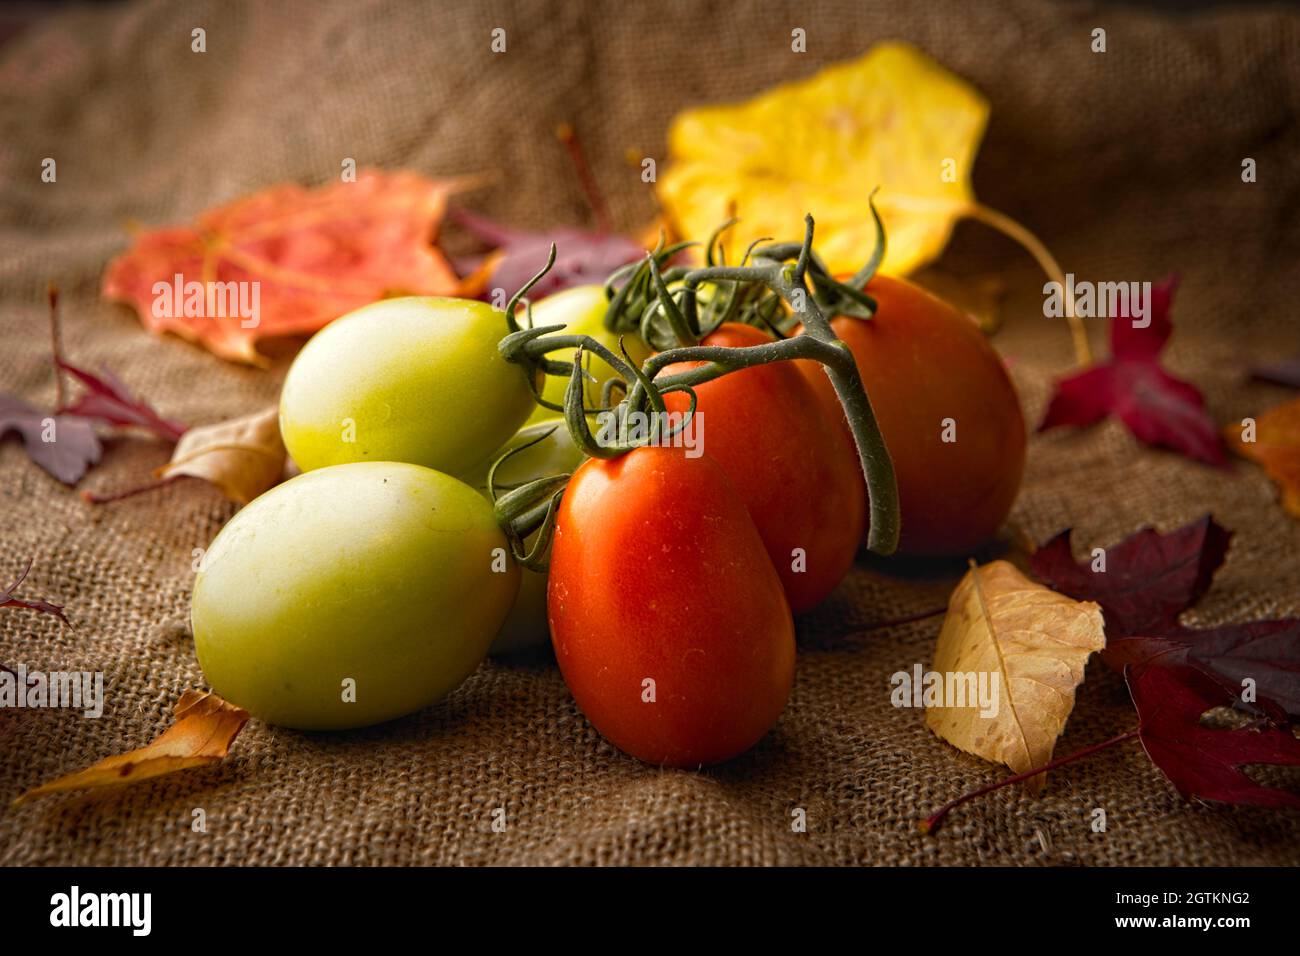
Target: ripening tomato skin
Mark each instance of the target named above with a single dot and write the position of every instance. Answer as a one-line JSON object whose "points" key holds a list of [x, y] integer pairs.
{"points": [[417, 379], [795, 471], [525, 628], [658, 574], [379, 573], [923, 361]]}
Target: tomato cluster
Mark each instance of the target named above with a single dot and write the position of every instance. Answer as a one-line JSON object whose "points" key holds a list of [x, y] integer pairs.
{"points": [[674, 572]]}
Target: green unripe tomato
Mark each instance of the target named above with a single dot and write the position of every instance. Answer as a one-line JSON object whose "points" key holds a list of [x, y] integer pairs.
{"points": [[387, 575], [525, 626], [416, 379], [581, 310]]}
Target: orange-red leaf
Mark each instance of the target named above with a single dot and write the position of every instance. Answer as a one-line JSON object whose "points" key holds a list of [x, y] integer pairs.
{"points": [[315, 254], [1277, 448], [205, 727]]}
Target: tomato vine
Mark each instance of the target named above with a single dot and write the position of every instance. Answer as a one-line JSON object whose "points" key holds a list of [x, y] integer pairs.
{"points": [[672, 320]]}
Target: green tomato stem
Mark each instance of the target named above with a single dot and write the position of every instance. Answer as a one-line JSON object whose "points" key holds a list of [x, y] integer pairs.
{"points": [[646, 292]]}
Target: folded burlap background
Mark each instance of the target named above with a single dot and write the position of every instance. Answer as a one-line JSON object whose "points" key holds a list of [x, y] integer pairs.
{"points": [[1127, 163]]}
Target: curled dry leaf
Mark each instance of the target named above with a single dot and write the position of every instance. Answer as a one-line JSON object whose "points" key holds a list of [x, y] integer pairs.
{"points": [[1036, 641], [243, 457], [310, 255], [1277, 448], [205, 727]]}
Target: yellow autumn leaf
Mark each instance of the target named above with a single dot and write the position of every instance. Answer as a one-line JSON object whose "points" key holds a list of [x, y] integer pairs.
{"points": [[893, 119], [243, 457], [205, 727], [1031, 641]]}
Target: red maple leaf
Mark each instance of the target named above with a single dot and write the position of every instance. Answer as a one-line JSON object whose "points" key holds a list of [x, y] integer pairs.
{"points": [[64, 442], [1150, 579], [1265, 652], [310, 255], [1157, 408], [1198, 760]]}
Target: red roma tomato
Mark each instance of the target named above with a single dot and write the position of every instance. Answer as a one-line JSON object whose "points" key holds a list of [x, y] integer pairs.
{"points": [[796, 472], [668, 620], [922, 362]]}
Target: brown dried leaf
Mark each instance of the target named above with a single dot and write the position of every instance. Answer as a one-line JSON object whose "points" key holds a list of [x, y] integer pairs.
{"points": [[243, 457], [205, 727], [1037, 641]]}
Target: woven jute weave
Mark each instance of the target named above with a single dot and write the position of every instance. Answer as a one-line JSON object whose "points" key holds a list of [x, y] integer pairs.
{"points": [[1127, 163]]}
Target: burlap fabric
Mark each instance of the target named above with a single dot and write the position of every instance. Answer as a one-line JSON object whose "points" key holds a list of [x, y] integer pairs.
{"points": [[1127, 163]]}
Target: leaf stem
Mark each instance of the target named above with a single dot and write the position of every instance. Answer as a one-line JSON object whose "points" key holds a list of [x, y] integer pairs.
{"points": [[566, 134], [769, 268], [91, 497], [1046, 261], [932, 823], [56, 344]]}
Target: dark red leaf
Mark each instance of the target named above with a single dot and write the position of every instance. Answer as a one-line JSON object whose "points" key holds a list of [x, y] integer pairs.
{"points": [[1200, 761], [1150, 578], [1134, 343], [1266, 651], [108, 400], [581, 257], [73, 447], [1157, 408]]}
